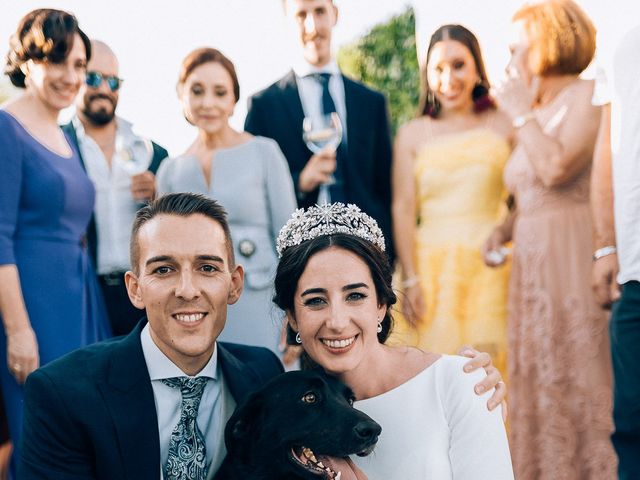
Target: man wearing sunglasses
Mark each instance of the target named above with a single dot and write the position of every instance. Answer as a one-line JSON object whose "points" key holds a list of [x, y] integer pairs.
{"points": [[102, 139]]}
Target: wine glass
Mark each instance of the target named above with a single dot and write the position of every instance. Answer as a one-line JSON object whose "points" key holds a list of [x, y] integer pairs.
{"points": [[322, 132], [134, 154]]}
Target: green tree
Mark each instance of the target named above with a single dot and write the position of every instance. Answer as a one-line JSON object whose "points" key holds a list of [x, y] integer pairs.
{"points": [[385, 58]]}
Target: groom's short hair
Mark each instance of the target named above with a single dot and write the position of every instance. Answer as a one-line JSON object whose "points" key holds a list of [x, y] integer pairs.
{"points": [[182, 205]]}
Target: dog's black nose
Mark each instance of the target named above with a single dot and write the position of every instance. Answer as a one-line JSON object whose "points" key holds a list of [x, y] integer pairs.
{"points": [[367, 429]]}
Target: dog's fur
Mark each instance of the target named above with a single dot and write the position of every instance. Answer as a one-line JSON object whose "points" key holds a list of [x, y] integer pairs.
{"points": [[296, 409]]}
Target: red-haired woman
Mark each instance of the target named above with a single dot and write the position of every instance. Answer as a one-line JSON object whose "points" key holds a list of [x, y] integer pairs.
{"points": [[561, 404]]}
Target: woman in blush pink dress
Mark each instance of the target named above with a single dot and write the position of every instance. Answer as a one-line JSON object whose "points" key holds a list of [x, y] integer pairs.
{"points": [[560, 405]]}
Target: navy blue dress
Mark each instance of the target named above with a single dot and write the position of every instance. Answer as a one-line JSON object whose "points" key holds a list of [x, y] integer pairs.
{"points": [[46, 201]]}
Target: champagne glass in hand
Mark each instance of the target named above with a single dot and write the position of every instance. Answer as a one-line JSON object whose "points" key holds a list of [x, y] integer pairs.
{"points": [[319, 133], [134, 155]]}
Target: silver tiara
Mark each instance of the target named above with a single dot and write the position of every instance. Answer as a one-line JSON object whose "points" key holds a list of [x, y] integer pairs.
{"points": [[328, 219]]}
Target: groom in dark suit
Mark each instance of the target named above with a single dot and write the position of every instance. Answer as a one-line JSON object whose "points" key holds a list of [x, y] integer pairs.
{"points": [[157, 399], [362, 164]]}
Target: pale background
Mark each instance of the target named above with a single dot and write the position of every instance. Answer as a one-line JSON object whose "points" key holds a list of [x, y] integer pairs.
{"points": [[151, 37]]}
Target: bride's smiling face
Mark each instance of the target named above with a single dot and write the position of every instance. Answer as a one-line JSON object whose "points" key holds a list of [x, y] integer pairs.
{"points": [[336, 310]]}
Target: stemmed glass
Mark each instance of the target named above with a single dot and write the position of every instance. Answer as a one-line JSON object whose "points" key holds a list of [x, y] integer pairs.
{"points": [[134, 155], [319, 133]]}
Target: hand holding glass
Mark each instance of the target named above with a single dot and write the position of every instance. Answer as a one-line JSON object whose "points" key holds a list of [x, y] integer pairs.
{"points": [[135, 155], [320, 133]]}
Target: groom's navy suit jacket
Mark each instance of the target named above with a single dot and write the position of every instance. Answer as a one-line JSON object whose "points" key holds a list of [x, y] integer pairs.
{"points": [[277, 113], [91, 414]]}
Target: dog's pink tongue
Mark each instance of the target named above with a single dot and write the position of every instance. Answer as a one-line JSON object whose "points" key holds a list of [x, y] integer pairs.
{"points": [[346, 466]]}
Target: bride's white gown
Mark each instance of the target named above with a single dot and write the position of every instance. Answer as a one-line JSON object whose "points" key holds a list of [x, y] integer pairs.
{"points": [[434, 427]]}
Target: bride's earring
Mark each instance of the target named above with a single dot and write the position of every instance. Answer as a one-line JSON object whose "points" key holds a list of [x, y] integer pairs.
{"points": [[379, 329], [298, 339]]}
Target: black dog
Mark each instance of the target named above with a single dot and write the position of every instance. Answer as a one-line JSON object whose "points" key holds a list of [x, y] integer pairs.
{"points": [[286, 429]]}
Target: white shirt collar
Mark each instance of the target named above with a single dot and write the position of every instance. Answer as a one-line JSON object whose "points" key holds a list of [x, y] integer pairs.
{"points": [[123, 127], [302, 68], [159, 365]]}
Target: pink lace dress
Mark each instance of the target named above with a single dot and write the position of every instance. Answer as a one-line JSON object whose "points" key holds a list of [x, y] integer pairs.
{"points": [[559, 365]]}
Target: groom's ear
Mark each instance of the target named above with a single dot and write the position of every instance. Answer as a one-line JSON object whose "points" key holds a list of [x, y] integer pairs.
{"points": [[133, 289], [237, 284]]}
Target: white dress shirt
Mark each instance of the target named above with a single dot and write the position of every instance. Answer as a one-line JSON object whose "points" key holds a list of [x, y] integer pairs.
{"points": [[310, 91], [216, 405], [115, 208], [618, 84]]}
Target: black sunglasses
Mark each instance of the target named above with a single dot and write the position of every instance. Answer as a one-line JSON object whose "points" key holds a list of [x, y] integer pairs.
{"points": [[94, 80]]}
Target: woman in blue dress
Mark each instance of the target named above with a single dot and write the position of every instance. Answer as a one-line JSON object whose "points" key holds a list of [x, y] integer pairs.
{"points": [[49, 299]]}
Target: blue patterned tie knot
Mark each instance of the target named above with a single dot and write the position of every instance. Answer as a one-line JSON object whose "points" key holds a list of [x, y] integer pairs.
{"points": [[187, 458]]}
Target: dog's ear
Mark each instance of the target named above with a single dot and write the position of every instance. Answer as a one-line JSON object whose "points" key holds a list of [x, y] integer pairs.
{"points": [[243, 425]]}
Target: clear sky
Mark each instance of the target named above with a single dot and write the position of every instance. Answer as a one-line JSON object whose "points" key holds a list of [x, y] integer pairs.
{"points": [[150, 37]]}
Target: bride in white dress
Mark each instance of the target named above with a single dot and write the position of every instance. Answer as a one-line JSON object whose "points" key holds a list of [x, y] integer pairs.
{"points": [[334, 282]]}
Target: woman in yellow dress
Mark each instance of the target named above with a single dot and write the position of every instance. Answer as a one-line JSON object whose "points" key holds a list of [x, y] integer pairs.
{"points": [[447, 194]]}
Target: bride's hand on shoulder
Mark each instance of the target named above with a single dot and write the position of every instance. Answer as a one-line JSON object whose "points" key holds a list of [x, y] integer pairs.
{"points": [[492, 380]]}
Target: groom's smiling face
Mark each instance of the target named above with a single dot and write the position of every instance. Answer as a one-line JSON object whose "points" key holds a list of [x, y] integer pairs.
{"points": [[185, 281]]}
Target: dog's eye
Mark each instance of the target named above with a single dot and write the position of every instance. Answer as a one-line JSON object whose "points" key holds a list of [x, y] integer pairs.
{"points": [[309, 397]]}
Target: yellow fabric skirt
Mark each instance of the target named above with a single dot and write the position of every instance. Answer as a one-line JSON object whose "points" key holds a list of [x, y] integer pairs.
{"points": [[466, 304]]}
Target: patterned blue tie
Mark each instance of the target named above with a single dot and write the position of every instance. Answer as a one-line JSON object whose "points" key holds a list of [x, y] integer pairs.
{"points": [[187, 459]]}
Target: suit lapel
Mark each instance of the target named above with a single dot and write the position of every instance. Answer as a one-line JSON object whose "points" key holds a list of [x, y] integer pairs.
{"points": [[240, 379], [291, 99], [129, 396], [353, 112]]}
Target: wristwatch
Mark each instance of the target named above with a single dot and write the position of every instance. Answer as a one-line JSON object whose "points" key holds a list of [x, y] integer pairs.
{"points": [[521, 120]]}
